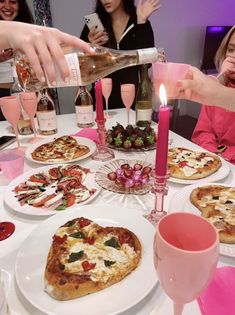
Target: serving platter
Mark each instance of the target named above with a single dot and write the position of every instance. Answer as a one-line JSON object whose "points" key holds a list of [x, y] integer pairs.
{"points": [[12, 202], [80, 140], [30, 265]]}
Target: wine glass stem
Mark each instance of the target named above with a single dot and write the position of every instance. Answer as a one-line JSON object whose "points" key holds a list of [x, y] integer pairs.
{"points": [[17, 135], [128, 116], [178, 309], [107, 104]]}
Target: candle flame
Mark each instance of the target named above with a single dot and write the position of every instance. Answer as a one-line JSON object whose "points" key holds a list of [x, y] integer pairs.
{"points": [[162, 94]]}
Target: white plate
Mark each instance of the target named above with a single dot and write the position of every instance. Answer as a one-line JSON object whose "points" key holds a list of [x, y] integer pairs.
{"points": [[30, 265], [222, 172], [12, 202], [180, 202], [81, 140]]}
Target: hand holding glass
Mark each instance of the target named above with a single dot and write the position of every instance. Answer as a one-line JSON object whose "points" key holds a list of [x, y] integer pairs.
{"points": [[107, 85], [128, 96], [186, 250], [11, 110]]}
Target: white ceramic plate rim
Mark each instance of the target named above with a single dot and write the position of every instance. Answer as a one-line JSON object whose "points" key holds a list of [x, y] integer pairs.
{"points": [[12, 202], [222, 172], [81, 140], [30, 264], [180, 202]]}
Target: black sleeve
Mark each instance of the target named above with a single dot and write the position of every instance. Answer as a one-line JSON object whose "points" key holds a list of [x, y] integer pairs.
{"points": [[144, 35], [84, 33]]}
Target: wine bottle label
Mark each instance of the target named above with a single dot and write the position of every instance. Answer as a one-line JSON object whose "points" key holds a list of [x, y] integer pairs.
{"points": [[47, 120], [84, 114], [144, 114], [75, 73]]}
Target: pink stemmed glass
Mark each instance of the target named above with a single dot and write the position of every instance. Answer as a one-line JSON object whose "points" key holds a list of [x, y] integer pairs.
{"points": [[107, 85], [186, 250], [128, 95], [11, 111], [28, 101]]}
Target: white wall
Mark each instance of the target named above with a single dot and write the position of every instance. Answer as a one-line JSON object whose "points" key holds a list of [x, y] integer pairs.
{"points": [[179, 27]]}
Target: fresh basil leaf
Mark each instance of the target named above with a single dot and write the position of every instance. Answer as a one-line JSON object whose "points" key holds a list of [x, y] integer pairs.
{"points": [[75, 256], [112, 242], [109, 263], [77, 235]]}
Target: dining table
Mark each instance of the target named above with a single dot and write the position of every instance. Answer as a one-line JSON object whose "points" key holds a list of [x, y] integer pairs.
{"points": [[156, 301]]}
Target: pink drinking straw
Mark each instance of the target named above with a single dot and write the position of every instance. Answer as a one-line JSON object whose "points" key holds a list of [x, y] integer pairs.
{"points": [[11, 111]]}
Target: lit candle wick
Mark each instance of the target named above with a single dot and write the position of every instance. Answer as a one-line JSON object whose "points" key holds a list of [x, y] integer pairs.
{"points": [[162, 93]]}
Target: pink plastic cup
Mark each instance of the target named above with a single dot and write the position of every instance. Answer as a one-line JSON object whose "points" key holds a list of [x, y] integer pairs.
{"points": [[168, 74], [186, 250], [11, 164]]}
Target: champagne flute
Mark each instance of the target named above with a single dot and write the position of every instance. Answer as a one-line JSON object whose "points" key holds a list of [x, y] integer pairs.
{"points": [[28, 101], [186, 250], [11, 111], [128, 96], [107, 85]]}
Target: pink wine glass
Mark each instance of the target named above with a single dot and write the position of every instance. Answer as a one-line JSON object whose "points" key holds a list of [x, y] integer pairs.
{"points": [[28, 101], [128, 95], [186, 250], [107, 85], [11, 111]]}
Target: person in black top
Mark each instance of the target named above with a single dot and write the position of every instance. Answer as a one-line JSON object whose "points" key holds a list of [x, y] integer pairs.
{"points": [[127, 27]]}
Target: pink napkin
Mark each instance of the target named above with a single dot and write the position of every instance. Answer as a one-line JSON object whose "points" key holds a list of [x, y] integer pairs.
{"points": [[88, 133], [219, 297]]}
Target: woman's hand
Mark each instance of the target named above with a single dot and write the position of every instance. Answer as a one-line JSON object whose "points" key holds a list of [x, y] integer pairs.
{"points": [[228, 67], [42, 45], [97, 37], [6, 54], [145, 8]]}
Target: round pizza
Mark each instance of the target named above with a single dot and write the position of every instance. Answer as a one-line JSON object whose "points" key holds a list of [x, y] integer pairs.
{"points": [[217, 205], [85, 257], [54, 189], [188, 164], [62, 149]]}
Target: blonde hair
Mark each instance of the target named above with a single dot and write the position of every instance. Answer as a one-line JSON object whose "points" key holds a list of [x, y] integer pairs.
{"points": [[221, 52]]}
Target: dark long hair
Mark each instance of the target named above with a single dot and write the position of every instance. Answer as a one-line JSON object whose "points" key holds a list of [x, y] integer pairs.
{"points": [[129, 8], [24, 14]]}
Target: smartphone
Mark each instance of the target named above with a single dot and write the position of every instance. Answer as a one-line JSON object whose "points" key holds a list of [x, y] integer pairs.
{"points": [[6, 140], [94, 20]]}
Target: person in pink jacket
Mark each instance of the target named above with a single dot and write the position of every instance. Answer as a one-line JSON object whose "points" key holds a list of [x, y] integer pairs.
{"points": [[215, 129]]}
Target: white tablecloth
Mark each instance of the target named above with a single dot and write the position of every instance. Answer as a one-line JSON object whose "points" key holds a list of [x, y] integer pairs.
{"points": [[156, 303]]}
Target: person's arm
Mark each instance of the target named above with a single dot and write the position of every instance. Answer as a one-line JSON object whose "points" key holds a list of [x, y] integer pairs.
{"points": [[203, 133], [40, 43], [229, 154], [203, 89]]}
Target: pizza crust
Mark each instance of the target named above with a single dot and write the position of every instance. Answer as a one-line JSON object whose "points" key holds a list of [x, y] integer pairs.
{"points": [[217, 204], [63, 284], [188, 164]]}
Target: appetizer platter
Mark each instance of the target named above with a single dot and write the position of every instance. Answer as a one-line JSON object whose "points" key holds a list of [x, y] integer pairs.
{"points": [[131, 138], [50, 189], [126, 176], [115, 223], [64, 149]]}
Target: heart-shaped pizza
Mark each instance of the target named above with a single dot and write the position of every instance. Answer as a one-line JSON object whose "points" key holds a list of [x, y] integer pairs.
{"points": [[85, 258]]}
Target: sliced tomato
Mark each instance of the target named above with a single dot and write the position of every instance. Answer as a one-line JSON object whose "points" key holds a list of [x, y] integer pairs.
{"points": [[42, 202], [83, 222], [70, 200], [89, 240], [54, 172], [38, 179], [60, 239], [88, 266], [183, 164]]}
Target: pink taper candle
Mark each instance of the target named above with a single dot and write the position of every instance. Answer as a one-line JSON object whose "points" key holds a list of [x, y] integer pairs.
{"points": [[163, 133], [99, 101]]}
